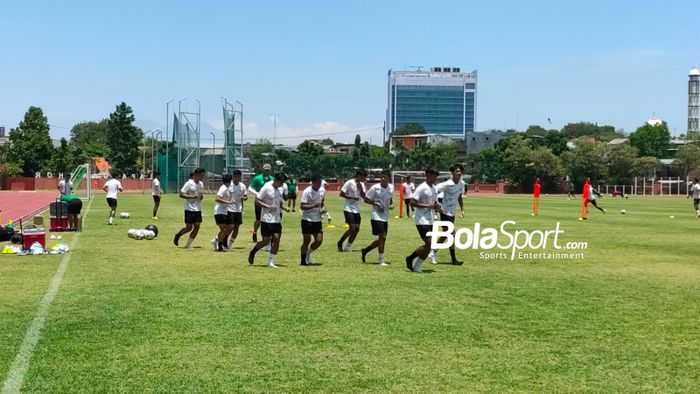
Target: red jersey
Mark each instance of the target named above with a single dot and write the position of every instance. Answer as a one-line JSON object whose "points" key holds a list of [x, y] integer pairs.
{"points": [[586, 190], [537, 189]]}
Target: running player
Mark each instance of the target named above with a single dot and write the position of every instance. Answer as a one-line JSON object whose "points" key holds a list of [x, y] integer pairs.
{"points": [[239, 193], [221, 217], [426, 204], [112, 187], [312, 206], [694, 190], [408, 188], [380, 196], [352, 191], [191, 192], [156, 192], [255, 185], [452, 190], [269, 199], [592, 194]]}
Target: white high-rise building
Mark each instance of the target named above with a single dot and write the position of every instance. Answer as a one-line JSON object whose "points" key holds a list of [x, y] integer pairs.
{"points": [[694, 99]]}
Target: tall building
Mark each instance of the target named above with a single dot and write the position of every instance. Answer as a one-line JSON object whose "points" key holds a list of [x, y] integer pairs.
{"points": [[442, 100], [693, 99]]}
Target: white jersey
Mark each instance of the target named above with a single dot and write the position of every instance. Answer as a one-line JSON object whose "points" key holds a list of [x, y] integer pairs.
{"points": [[223, 193], [451, 193], [237, 192], [380, 196], [66, 187], [696, 190], [113, 187], [155, 188], [352, 189], [591, 193], [408, 189], [425, 194], [192, 187], [312, 197], [270, 196]]}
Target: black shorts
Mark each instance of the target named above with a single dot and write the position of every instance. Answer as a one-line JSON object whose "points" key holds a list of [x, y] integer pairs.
{"points": [[447, 218], [112, 202], [74, 206], [193, 217], [221, 219], [352, 218], [257, 212], [309, 227], [235, 218], [267, 229], [696, 201], [292, 196], [440, 200], [379, 227], [156, 199], [424, 229]]}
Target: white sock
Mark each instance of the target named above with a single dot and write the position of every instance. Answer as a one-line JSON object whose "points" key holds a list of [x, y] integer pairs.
{"points": [[348, 247], [381, 258], [432, 256], [189, 242], [271, 260], [110, 220], [308, 256], [416, 265]]}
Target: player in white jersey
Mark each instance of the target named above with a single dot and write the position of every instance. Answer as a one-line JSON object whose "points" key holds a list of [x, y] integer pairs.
{"points": [[312, 206], [380, 197], [112, 187], [221, 215], [353, 192], [191, 192], [156, 192], [694, 190], [426, 204], [270, 199], [452, 190], [408, 188], [239, 193], [65, 187]]}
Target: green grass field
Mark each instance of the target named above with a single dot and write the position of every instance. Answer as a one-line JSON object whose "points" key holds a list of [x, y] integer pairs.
{"points": [[145, 316]]}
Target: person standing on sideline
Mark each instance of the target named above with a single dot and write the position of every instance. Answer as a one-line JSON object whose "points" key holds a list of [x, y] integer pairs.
{"points": [[312, 206], [694, 190], [65, 187], [408, 188], [256, 184], [292, 197], [536, 195], [426, 204], [222, 201], [352, 191], [112, 187], [380, 196], [156, 191], [570, 186], [269, 200], [239, 193], [452, 190], [191, 192]]}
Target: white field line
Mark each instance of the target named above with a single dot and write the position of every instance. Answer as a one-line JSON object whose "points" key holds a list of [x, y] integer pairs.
{"points": [[15, 378]]}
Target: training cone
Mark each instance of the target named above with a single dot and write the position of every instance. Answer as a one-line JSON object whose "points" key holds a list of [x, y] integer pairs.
{"points": [[396, 217], [672, 217], [580, 219], [331, 226], [346, 225], [250, 231]]}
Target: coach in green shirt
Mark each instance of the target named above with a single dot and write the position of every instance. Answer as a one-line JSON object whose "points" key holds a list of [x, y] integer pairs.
{"points": [[256, 184]]}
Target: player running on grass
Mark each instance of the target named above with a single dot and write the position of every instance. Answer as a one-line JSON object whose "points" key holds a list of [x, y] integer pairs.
{"points": [[352, 191], [221, 216], [426, 204], [694, 190], [408, 188], [380, 196], [269, 200], [452, 190], [312, 206], [239, 193], [112, 187], [156, 192], [191, 192], [256, 184]]}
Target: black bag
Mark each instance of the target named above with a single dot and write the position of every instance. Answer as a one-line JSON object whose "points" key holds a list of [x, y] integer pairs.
{"points": [[6, 233]]}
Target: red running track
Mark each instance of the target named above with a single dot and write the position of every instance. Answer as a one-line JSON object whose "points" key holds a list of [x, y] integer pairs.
{"points": [[24, 204]]}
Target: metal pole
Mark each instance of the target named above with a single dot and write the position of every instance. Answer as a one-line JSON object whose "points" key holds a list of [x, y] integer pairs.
{"points": [[143, 163], [239, 159], [167, 141], [156, 137], [213, 147]]}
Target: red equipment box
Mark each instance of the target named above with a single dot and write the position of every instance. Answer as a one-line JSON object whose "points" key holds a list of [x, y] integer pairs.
{"points": [[59, 224], [31, 235]]}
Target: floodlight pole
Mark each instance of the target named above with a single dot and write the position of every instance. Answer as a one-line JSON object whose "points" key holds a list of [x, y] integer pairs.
{"points": [[167, 141], [156, 137], [143, 163]]}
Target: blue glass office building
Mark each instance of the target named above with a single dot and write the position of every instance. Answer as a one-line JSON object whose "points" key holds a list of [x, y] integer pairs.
{"points": [[443, 100]]}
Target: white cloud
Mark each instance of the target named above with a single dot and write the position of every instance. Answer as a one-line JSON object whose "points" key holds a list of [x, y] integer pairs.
{"points": [[294, 135]]}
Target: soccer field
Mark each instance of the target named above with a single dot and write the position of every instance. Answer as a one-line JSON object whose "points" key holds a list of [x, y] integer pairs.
{"points": [[145, 316]]}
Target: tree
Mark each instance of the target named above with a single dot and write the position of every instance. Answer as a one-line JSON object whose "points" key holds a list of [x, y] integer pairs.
{"points": [[90, 138], [621, 161], [124, 140], [259, 152], [586, 160], [30, 143], [689, 158], [308, 148], [409, 128], [62, 160], [651, 140], [587, 129]]}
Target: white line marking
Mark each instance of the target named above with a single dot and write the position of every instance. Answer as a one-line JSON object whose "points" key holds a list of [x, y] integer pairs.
{"points": [[15, 378]]}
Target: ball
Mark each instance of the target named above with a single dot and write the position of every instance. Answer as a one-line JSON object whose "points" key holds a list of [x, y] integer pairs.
{"points": [[124, 215], [622, 211], [152, 227]]}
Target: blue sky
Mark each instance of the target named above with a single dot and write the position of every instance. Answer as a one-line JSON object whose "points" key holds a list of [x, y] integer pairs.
{"points": [[322, 65]]}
